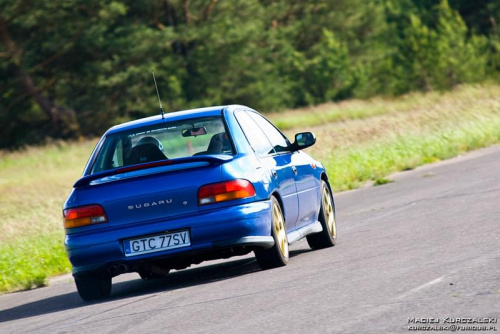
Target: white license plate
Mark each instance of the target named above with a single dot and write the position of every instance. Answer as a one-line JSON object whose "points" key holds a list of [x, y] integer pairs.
{"points": [[156, 243]]}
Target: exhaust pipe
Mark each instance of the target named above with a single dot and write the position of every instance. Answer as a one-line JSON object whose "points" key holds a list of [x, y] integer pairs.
{"points": [[122, 268], [112, 270]]}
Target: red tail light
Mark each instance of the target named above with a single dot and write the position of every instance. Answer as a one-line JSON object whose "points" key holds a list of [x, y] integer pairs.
{"points": [[85, 215], [225, 191]]}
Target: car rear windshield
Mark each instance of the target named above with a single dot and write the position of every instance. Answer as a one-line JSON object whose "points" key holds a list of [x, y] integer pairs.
{"points": [[190, 137]]}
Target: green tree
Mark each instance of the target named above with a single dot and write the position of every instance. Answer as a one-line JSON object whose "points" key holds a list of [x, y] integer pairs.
{"points": [[434, 55], [29, 82], [462, 57], [71, 68]]}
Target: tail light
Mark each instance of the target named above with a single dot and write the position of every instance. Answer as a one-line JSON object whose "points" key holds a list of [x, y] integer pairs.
{"points": [[225, 191], [85, 215]]}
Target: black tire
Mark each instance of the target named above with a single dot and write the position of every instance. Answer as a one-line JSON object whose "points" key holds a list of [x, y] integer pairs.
{"points": [[93, 287], [276, 256], [327, 237]]}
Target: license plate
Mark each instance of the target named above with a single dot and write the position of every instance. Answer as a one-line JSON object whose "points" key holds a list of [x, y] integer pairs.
{"points": [[156, 243]]}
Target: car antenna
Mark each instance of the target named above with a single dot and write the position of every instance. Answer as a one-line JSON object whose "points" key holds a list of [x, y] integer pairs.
{"points": [[157, 93]]}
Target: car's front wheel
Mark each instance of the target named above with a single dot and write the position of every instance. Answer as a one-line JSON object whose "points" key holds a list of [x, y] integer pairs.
{"points": [[93, 287], [276, 256], [327, 237]]}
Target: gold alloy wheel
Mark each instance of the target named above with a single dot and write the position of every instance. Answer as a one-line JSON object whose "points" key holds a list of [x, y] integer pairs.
{"points": [[329, 214], [279, 230]]}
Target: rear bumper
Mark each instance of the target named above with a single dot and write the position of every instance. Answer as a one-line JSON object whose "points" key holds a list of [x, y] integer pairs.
{"points": [[246, 225]]}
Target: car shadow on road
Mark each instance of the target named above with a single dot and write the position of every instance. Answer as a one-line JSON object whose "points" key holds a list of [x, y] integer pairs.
{"points": [[136, 287]]}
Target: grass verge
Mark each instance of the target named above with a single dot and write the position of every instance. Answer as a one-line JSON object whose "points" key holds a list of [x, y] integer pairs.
{"points": [[367, 140], [33, 186], [351, 167], [28, 262]]}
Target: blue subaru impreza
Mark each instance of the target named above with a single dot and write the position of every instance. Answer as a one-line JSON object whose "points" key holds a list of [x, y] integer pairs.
{"points": [[165, 192]]}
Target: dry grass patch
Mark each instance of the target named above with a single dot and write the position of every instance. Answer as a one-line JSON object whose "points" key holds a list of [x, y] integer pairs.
{"points": [[421, 115]]}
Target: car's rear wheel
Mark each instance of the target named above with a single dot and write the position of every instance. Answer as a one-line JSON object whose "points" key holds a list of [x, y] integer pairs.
{"points": [[327, 237], [276, 256], [93, 287]]}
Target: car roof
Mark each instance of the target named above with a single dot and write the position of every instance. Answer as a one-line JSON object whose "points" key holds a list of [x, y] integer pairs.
{"points": [[173, 116]]}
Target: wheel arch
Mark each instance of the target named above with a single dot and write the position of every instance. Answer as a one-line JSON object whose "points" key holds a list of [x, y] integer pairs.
{"points": [[324, 177], [277, 195]]}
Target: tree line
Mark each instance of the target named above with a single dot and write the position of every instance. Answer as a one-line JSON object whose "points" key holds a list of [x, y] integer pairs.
{"points": [[72, 68]]}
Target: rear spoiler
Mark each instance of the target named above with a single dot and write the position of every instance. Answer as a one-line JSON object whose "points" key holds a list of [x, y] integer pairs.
{"points": [[212, 159]]}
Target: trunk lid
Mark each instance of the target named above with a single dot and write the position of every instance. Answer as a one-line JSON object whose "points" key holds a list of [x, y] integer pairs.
{"points": [[156, 192]]}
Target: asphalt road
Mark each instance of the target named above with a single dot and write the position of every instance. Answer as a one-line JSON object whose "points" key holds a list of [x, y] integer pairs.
{"points": [[425, 246]]}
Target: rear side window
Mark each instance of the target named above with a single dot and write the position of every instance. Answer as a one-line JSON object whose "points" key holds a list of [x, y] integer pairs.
{"points": [[279, 142], [198, 136], [255, 136]]}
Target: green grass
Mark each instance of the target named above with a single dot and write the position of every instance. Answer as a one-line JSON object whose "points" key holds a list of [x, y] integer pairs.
{"points": [[27, 262], [352, 166], [358, 141], [436, 127], [33, 186], [381, 181]]}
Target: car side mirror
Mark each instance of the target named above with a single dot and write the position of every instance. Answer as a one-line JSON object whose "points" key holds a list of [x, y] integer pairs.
{"points": [[304, 140]]}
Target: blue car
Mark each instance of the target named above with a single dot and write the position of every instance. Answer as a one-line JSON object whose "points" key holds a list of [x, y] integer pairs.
{"points": [[173, 190]]}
